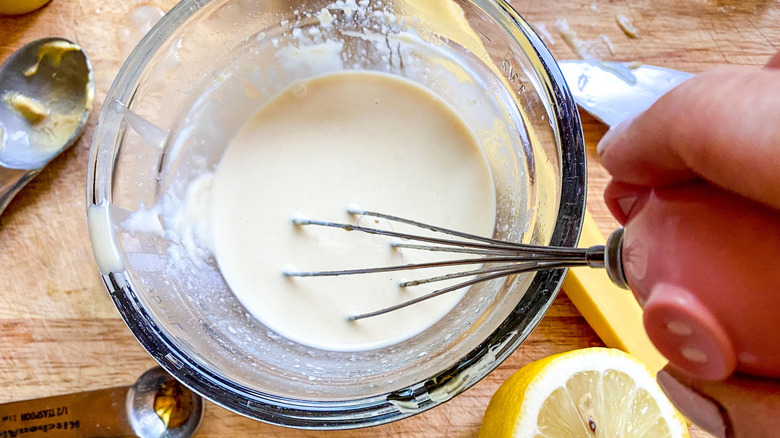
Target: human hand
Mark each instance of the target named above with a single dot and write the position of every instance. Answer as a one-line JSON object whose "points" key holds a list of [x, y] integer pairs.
{"points": [[741, 406], [696, 182]]}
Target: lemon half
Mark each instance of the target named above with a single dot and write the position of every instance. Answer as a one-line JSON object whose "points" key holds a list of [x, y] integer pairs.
{"points": [[16, 7], [593, 392]]}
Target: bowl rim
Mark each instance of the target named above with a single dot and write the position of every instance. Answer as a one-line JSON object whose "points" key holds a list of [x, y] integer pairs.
{"points": [[383, 408]]}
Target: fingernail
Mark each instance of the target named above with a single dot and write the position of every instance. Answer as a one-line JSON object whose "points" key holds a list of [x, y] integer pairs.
{"points": [[613, 135], [698, 408], [625, 200], [626, 205]]}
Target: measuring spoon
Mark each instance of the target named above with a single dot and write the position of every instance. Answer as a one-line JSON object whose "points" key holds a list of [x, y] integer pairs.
{"points": [[46, 93], [156, 406]]}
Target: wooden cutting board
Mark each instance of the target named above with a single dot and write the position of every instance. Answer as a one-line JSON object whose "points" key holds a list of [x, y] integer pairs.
{"points": [[59, 331]]}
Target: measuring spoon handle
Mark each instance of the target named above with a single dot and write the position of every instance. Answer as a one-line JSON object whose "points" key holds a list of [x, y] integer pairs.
{"points": [[156, 406], [86, 414]]}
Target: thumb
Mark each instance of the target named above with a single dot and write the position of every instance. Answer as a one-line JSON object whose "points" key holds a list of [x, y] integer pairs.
{"points": [[742, 406], [722, 126]]}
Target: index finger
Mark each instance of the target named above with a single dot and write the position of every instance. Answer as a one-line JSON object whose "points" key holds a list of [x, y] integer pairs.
{"points": [[722, 126]]}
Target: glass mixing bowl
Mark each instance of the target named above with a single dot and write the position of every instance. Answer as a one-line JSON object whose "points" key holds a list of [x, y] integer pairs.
{"points": [[202, 71]]}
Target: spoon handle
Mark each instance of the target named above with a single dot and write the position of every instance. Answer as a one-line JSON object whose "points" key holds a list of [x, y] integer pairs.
{"points": [[86, 414], [156, 406], [11, 182]]}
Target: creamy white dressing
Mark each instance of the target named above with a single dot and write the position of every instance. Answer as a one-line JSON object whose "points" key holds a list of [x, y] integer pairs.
{"points": [[352, 138]]}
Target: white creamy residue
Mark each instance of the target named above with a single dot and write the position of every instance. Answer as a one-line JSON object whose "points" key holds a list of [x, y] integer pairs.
{"points": [[106, 253], [135, 25], [627, 26], [596, 48]]}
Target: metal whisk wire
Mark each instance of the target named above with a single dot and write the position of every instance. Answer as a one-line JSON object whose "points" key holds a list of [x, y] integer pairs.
{"points": [[507, 258]]}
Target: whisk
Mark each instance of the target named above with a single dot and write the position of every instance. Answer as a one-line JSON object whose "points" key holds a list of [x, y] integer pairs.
{"points": [[498, 258]]}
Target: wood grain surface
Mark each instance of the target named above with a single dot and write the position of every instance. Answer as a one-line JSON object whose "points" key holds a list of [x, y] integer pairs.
{"points": [[59, 331]]}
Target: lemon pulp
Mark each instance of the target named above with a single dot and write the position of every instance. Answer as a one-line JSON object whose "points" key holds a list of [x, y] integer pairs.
{"points": [[595, 392]]}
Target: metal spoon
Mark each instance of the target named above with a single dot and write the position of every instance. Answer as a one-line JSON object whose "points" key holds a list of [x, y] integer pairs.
{"points": [[156, 406], [46, 93]]}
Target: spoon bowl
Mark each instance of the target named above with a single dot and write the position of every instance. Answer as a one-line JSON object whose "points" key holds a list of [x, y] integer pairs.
{"points": [[156, 396], [46, 93]]}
